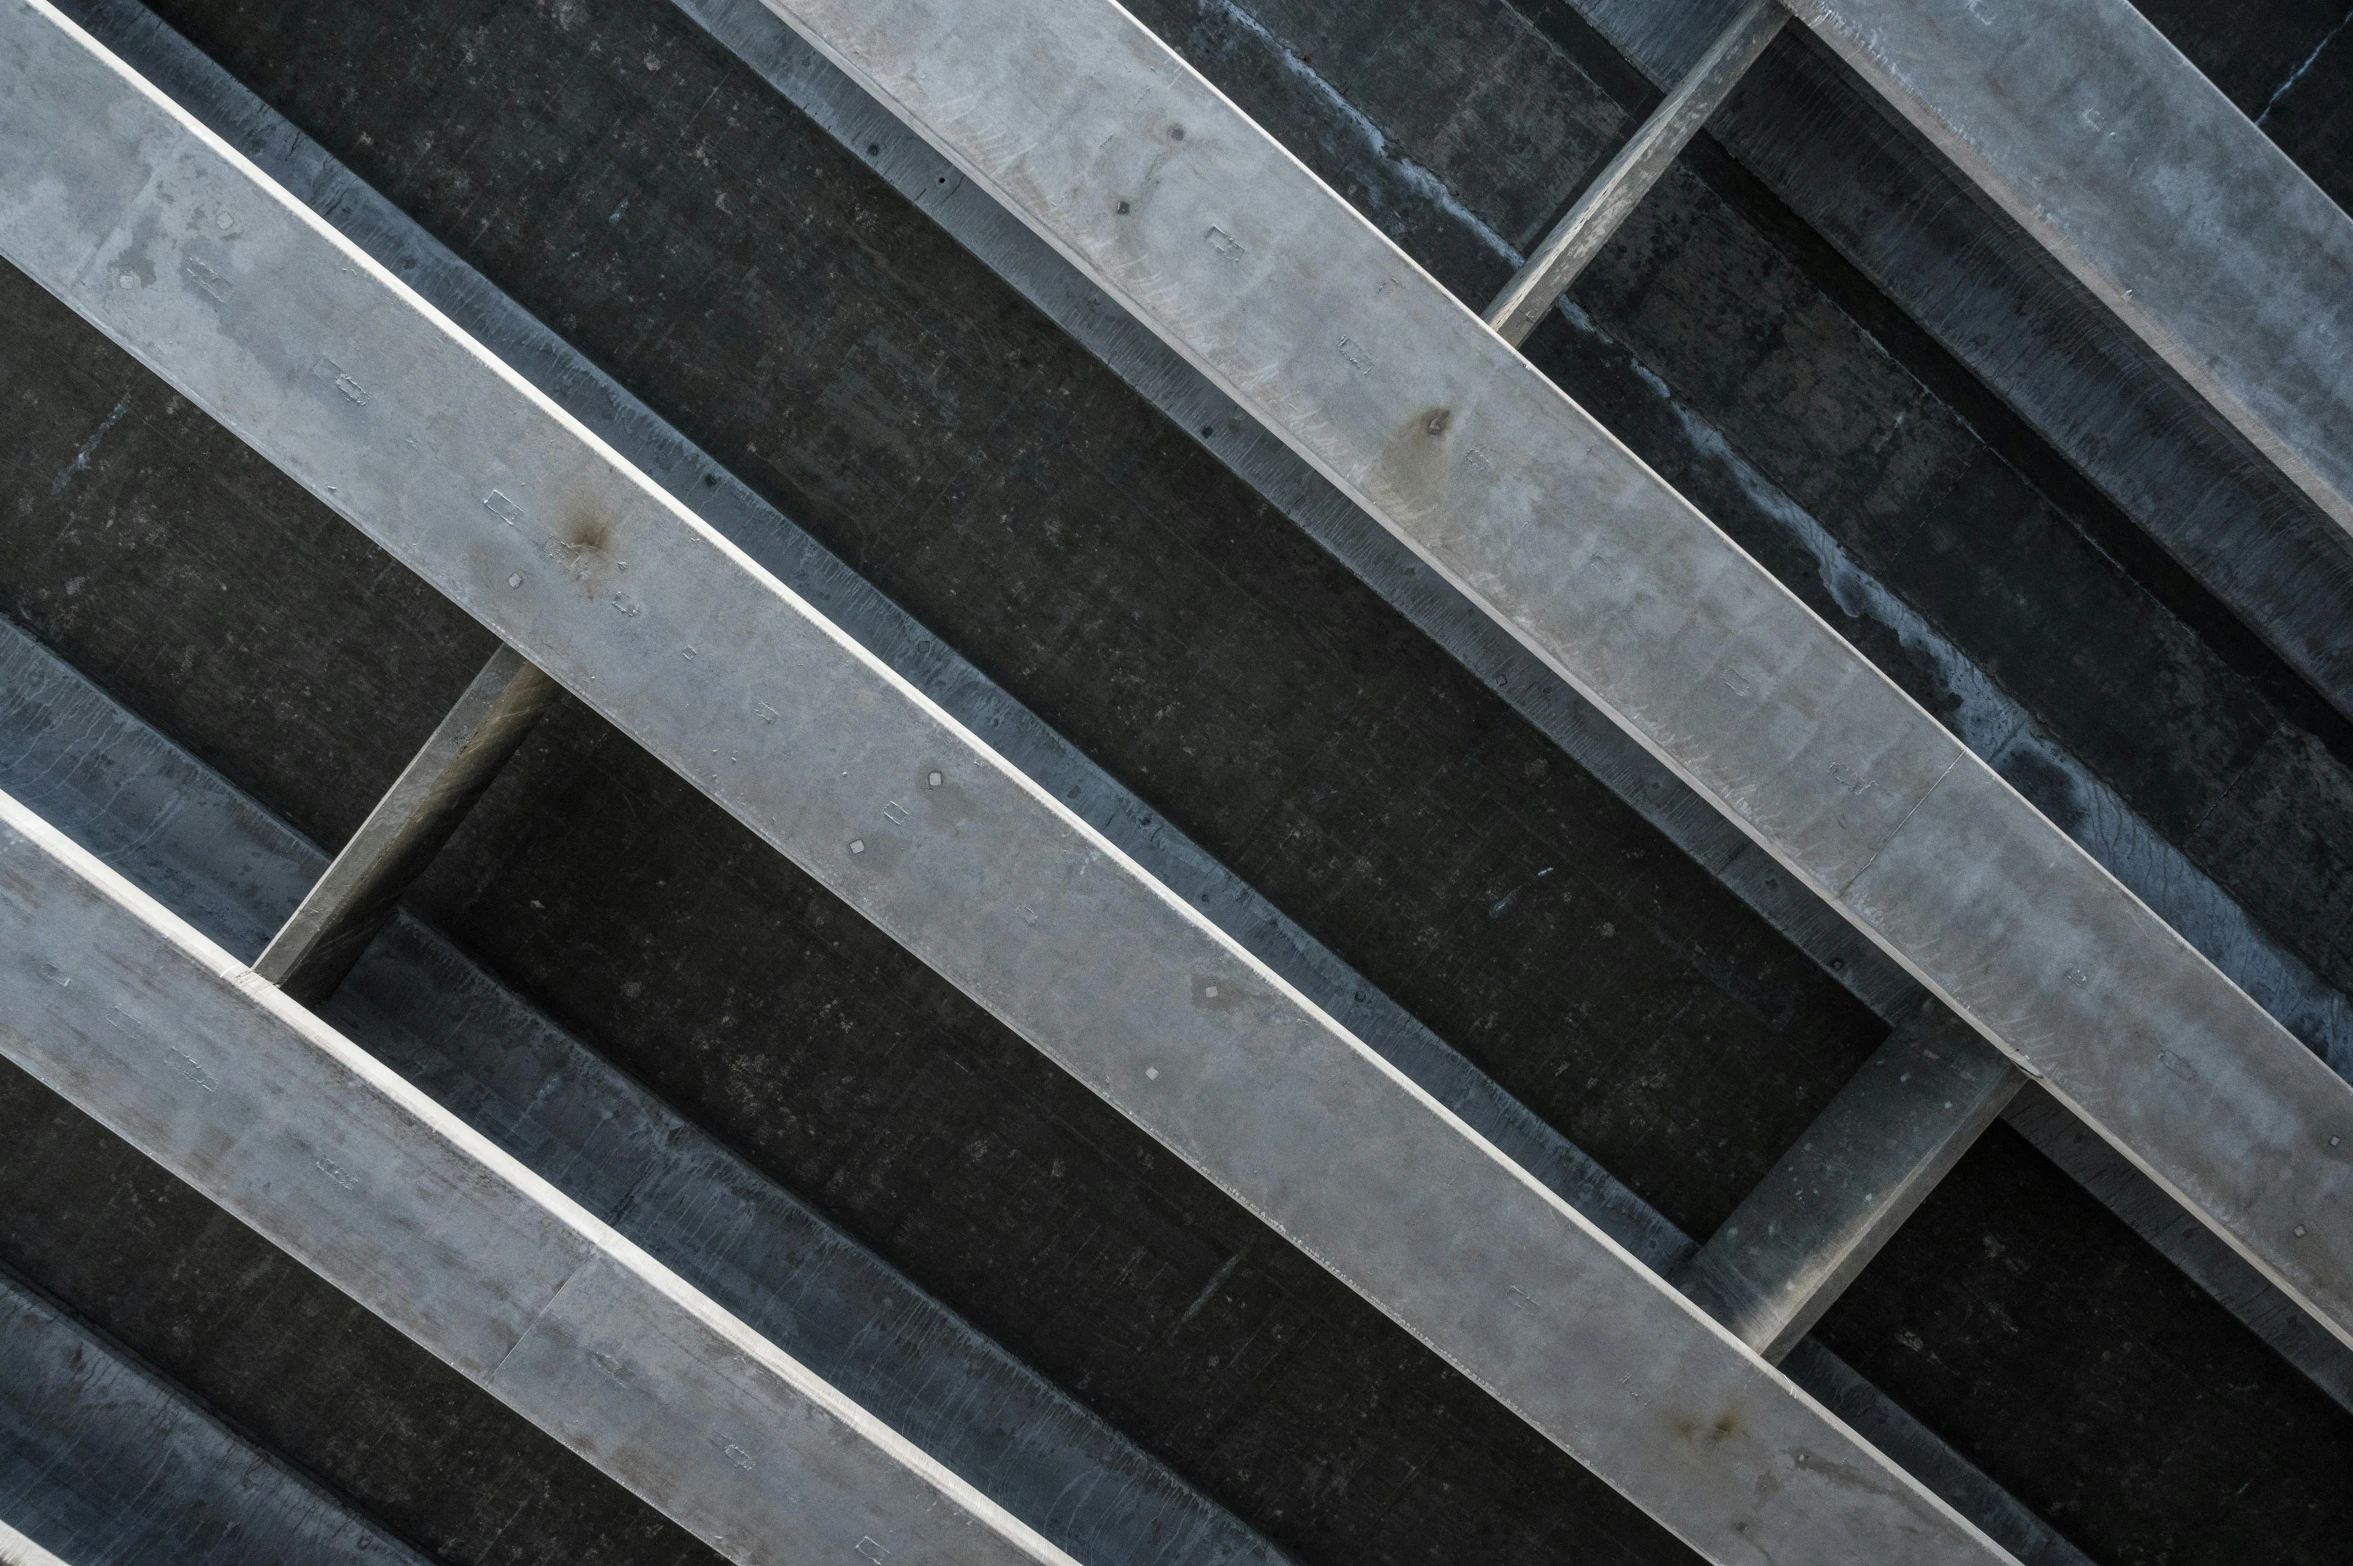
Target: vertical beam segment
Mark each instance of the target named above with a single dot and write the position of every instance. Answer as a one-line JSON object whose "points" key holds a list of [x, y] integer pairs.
{"points": [[1612, 198], [1167, 197], [328, 932], [2089, 129], [292, 337], [1864, 1166], [170, 1043]]}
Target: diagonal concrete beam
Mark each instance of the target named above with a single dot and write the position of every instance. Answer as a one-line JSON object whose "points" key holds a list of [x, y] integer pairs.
{"points": [[325, 936], [1614, 194], [117, 1005], [2090, 130], [1166, 196], [1864, 1166], [293, 338], [101, 1459]]}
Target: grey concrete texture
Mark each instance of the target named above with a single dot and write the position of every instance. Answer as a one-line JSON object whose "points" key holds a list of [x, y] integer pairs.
{"points": [[1865, 1165], [1324, 330], [1612, 197], [149, 811], [2149, 185], [129, 1012], [104, 1461], [323, 937], [934, 840]]}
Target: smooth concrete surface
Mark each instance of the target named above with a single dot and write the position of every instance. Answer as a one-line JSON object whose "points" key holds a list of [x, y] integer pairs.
{"points": [[118, 1005], [157, 816], [1619, 188], [1865, 1165], [341, 376], [326, 935], [1120, 155], [102, 1461], [2091, 131], [150, 811]]}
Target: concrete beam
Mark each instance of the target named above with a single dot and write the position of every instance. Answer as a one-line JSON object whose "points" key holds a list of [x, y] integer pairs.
{"points": [[309, 956], [296, 340], [1158, 189], [2092, 132], [1612, 197], [1864, 1166], [120, 1007], [101, 1459]]}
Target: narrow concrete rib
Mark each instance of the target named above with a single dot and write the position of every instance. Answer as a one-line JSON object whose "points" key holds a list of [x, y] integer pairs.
{"points": [[101, 1459], [155, 814], [2090, 130], [297, 341], [1864, 1166], [316, 947], [123, 1009], [1619, 189], [1160, 190]]}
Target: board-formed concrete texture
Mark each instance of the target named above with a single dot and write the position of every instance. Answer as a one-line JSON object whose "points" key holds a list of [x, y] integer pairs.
{"points": [[118, 1005], [103, 1460], [2151, 187], [1153, 184], [297, 342]]}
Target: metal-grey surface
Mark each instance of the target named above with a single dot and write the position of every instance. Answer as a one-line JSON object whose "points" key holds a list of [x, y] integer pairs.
{"points": [[106, 778], [1157, 188], [105, 1463], [918, 656], [319, 943], [299, 343], [124, 1009], [1618, 189], [153, 813], [148, 810], [2210, 1264], [1864, 1166], [1989, 720], [2151, 188]]}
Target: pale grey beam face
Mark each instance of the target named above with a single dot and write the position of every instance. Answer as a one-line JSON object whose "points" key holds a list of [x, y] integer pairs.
{"points": [[1619, 188], [296, 341], [1155, 186], [2088, 128], [409, 825], [116, 1005], [1864, 1166]]}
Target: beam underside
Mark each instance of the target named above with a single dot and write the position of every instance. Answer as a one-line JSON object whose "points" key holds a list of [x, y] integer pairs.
{"points": [[1000, 891], [126, 1011], [1407, 403]]}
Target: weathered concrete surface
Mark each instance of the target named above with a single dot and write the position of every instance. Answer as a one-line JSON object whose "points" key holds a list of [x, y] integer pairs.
{"points": [[125, 1009], [2151, 188], [149, 811], [934, 840], [1377, 377], [323, 937], [102, 1460], [1863, 1167]]}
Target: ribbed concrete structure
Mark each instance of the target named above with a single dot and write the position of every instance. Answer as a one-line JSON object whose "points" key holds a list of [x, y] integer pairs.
{"points": [[966, 832]]}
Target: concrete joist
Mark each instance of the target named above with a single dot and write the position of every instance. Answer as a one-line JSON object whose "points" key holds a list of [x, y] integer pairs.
{"points": [[296, 341], [426, 803], [1864, 1166], [2091, 131], [1156, 187], [118, 1006], [1614, 194]]}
